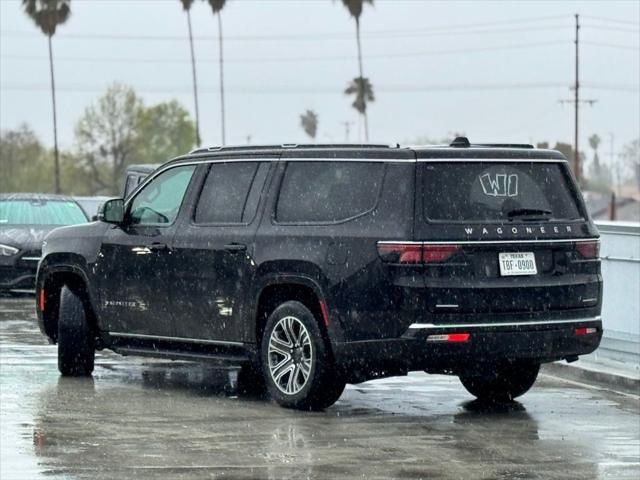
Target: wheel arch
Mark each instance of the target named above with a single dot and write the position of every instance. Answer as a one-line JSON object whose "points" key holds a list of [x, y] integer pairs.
{"points": [[277, 289], [51, 279]]}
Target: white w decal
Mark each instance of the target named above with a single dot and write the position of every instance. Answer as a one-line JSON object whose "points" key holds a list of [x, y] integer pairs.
{"points": [[502, 185]]}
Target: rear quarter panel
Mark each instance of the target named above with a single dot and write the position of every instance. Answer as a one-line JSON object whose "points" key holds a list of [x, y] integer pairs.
{"points": [[342, 257]]}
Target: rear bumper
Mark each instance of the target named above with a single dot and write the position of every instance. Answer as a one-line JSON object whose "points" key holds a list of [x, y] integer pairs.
{"points": [[488, 343]]}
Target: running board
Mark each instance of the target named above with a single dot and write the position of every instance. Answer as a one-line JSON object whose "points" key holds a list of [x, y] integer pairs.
{"points": [[219, 358]]}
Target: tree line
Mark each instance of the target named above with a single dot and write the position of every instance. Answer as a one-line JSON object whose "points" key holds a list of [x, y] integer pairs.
{"points": [[47, 15], [117, 130]]}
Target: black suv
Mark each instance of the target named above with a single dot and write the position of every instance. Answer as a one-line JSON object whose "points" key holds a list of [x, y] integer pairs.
{"points": [[314, 266]]}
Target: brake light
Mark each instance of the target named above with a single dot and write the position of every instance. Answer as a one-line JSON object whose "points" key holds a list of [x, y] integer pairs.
{"points": [[590, 249], [449, 337], [415, 252]]}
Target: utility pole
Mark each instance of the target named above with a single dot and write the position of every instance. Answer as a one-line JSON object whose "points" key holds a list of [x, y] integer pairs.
{"points": [[577, 169], [347, 130], [576, 100], [615, 166]]}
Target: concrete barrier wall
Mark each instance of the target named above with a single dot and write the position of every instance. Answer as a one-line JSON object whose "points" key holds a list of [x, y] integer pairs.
{"points": [[620, 252]]}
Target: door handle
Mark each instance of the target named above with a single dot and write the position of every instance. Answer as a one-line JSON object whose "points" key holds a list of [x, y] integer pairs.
{"points": [[158, 247], [235, 247]]}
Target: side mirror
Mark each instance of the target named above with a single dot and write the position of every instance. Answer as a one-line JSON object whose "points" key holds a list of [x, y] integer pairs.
{"points": [[112, 211]]}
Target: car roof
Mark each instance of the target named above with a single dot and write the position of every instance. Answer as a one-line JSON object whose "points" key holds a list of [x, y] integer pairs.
{"points": [[41, 197], [460, 149]]}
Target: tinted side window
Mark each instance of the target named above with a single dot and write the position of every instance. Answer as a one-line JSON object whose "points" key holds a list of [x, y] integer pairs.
{"points": [[159, 201], [328, 191], [224, 195]]}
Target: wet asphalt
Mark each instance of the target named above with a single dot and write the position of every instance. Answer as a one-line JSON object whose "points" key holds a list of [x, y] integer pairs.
{"points": [[147, 419]]}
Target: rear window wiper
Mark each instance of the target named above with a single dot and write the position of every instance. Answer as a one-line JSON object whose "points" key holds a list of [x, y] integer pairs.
{"points": [[529, 212]]}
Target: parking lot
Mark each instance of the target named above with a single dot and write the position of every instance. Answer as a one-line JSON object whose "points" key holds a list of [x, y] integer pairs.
{"points": [[141, 418]]}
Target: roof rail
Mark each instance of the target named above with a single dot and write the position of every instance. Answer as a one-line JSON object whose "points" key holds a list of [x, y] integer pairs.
{"points": [[219, 148], [503, 145], [463, 142]]}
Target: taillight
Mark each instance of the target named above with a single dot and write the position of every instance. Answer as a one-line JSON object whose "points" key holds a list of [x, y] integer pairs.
{"points": [[400, 252], [415, 252], [589, 249], [438, 252]]}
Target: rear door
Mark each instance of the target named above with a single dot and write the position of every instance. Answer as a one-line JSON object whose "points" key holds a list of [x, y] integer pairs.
{"points": [[212, 259], [504, 236]]}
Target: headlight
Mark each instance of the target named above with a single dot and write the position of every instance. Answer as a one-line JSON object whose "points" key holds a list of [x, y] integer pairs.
{"points": [[7, 251]]}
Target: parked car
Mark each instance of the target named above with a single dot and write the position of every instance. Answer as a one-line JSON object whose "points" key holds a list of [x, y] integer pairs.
{"points": [[135, 174], [315, 266], [25, 218], [91, 205]]}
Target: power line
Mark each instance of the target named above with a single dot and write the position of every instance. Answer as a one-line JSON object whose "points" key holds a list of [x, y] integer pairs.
{"points": [[290, 89], [612, 45], [611, 86], [347, 35], [289, 59], [613, 29], [309, 37], [612, 20]]}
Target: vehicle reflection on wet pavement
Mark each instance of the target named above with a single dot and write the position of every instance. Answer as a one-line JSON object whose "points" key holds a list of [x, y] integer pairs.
{"points": [[140, 418]]}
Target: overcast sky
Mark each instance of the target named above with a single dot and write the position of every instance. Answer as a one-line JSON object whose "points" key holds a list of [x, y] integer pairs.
{"points": [[494, 70]]}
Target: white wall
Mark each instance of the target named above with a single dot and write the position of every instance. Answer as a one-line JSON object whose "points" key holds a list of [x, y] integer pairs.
{"points": [[620, 252]]}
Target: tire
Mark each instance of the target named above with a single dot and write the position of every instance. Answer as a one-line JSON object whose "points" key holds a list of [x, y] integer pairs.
{"points": [[286, 358], [76, 349], [502, 383]]}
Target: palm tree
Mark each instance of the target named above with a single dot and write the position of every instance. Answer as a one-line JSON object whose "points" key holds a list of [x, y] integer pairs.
{"points": [[355, 9], [363, 91], [309, 123], [47, 15], [217, 6], [186, 5]]}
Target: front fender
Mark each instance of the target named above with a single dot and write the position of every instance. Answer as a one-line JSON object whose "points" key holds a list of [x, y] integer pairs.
{"points": [[67, 266]]}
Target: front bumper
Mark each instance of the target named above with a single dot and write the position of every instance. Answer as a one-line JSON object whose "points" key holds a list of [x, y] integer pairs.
{"points": [[488, 343], [18, 273]]}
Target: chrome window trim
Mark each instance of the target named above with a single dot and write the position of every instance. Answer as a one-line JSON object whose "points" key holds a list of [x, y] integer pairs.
{"points": [[488, 242], [174, 339], [432, 326], [358, 160], [498, 160]]}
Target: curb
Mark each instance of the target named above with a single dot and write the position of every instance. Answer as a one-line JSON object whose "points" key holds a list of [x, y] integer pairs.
{"points": [[609, 380]]}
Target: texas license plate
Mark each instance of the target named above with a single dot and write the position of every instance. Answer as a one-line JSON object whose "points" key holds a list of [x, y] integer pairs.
{"points": [[517, 263]]}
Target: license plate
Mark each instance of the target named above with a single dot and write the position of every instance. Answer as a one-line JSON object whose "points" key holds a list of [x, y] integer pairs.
{"points": [[517, 263]]}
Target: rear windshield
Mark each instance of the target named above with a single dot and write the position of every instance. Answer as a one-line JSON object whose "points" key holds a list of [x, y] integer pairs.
{"points": [[491, 191], [40, 212]]}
